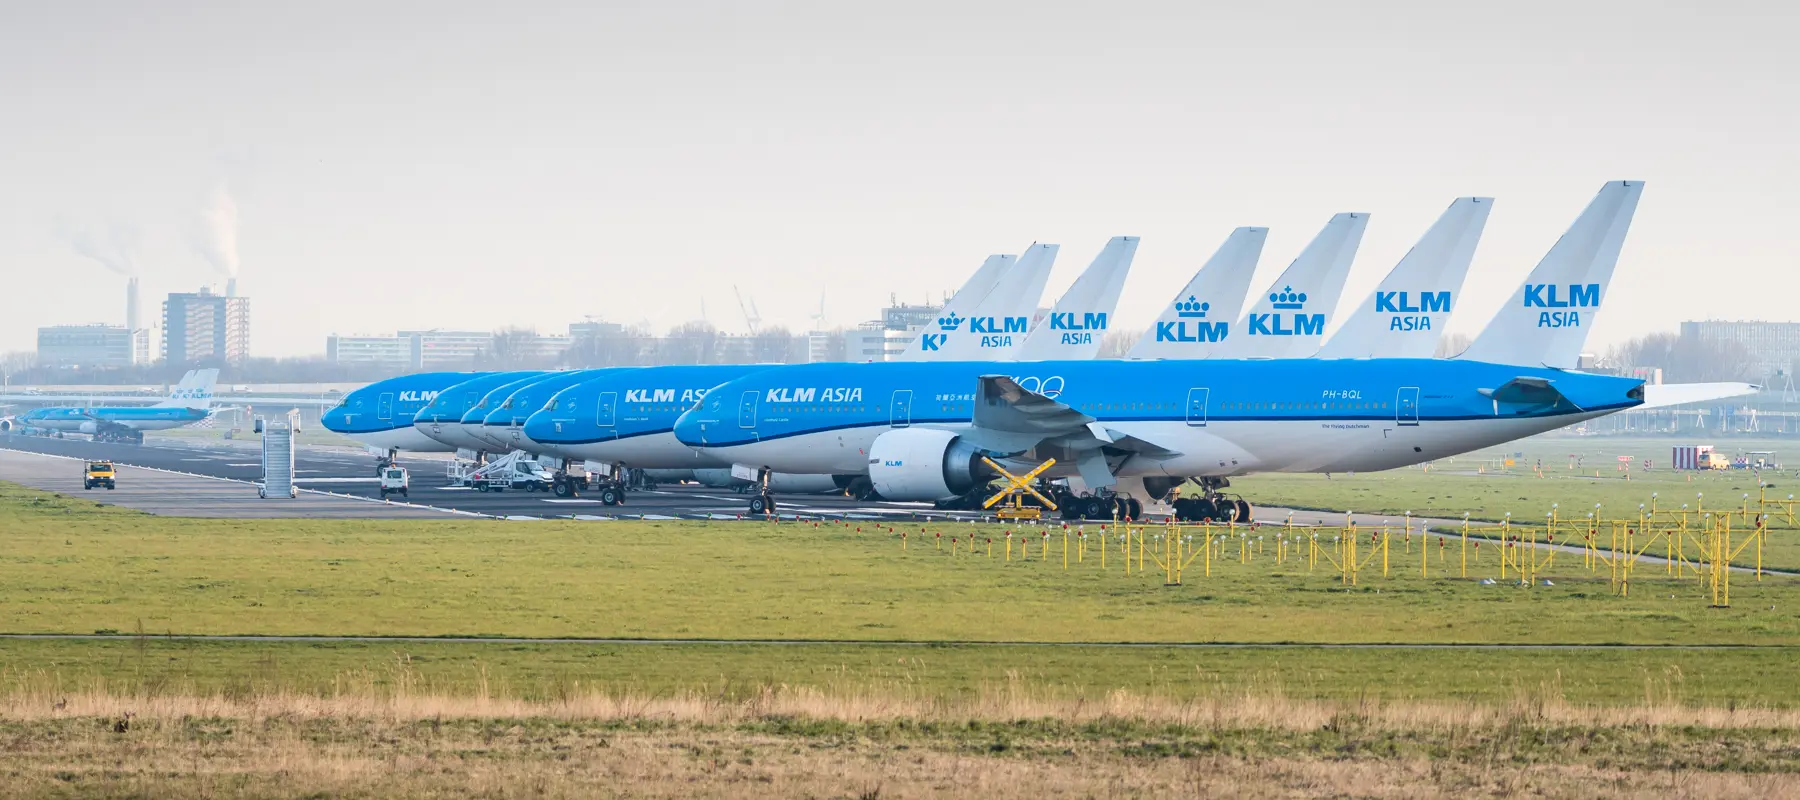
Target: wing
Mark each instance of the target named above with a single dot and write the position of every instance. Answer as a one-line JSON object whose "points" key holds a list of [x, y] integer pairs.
{"points": [[1011, 419]]}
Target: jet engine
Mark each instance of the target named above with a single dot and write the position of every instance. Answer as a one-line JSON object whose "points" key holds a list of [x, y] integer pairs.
{"points": [[89, 427], [7, 425], [924, 464]]}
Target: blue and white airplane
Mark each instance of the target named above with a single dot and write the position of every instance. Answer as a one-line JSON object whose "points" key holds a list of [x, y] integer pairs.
{"points": [[919, 431], [189, 401], [441, 420], [381, 414]]}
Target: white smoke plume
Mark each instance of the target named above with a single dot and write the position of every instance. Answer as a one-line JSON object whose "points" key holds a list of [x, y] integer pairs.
{"points": [[115, 248], [216, 237]]}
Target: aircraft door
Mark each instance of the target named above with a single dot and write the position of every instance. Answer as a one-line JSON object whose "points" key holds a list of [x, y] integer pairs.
{"points": [[1196, 407], [747, 409], [1406, 406], [384, 407], [606, 409], [900, 412]]}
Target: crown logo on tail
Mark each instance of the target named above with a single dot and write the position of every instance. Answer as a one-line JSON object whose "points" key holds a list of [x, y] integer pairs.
{"points": [[950, 322], [1288, 298], [1191, 308]]}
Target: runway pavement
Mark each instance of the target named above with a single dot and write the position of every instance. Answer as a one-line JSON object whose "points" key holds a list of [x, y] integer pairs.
{"points": [[351, 474]]}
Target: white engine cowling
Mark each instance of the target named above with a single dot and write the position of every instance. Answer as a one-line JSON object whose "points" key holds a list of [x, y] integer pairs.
{"points": [[6, 425], [89, 427], [923, 464]]}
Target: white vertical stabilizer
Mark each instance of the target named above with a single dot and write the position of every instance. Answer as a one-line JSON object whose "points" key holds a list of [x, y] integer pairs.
{"points": [[961, 304], [1289, 320], [195, 390], [1078, 322], [999, 323], [1199, 319], [1546, 321], [1405, 316]]}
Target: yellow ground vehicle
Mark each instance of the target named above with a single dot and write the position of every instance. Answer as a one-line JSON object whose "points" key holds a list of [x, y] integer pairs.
{"points": [[98, 473]]}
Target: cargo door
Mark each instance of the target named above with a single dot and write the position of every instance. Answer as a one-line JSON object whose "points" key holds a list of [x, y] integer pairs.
{"points": [[1406, 406], [900, 412], [1196, 406]]}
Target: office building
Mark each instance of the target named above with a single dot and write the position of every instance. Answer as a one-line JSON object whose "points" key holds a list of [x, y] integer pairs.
{"points": [[91, 346], [202, 328]]}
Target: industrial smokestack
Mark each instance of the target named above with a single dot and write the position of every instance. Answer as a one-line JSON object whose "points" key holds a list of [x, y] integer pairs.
{"points": [[131, 304], [231, 286]]}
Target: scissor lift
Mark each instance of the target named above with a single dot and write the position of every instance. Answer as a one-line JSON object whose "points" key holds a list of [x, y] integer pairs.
{"points": [[1017, 486]]}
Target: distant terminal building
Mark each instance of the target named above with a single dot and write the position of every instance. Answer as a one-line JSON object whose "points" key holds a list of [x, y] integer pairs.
{"points": [[205, 328], [391, 352], [445, 349], [1773, 346], [593, 328], [887, 338], [91, 346]]}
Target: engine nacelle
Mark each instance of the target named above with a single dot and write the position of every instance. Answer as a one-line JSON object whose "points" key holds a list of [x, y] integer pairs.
{"points": [[924, 464], [89, 427], [7, 425]]}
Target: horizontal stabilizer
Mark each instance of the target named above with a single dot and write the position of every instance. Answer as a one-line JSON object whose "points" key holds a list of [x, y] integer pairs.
{"points": [[1526, 391], [1675, 394]]}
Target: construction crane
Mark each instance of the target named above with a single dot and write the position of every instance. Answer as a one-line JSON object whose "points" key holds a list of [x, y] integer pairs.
{"points": [[752, 319]]}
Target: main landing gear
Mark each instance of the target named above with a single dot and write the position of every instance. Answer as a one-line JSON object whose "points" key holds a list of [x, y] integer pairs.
{"points": [[1212, 505], [762, 503]]}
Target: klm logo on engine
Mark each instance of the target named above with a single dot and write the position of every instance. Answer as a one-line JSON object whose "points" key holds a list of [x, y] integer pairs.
{"points": [[1077, 330], [418, 397], [1544, 295], [1192, 312], [1291, 324], [810, 394], [1409, 314], [998, 331]]}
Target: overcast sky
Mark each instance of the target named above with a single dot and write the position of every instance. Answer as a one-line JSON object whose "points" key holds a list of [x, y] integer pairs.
{"points": [[479, 165]]}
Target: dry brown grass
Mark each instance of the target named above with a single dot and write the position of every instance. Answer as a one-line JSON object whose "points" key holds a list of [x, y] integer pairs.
{"points": [[799, 743]]}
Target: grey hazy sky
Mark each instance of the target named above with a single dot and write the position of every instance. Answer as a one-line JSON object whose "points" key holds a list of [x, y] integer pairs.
{"points": [[461, 165]]}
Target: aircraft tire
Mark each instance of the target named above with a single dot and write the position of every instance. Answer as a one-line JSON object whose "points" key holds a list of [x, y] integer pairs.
{"points": [[759, 504], [1134, 510], [1243, 511], [1094, 508], [563, 489], [611, 497]]}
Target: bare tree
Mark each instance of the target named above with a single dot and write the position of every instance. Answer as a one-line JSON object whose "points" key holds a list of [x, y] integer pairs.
{"points": [[1115, 344], [1685, 359], [1452, 344]]}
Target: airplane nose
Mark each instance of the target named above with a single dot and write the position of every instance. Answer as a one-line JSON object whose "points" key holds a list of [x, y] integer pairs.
{"points": [[333, 420], [690, 428]]}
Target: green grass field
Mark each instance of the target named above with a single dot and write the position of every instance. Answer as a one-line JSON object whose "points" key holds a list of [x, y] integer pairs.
{"points": [[70, 566]]}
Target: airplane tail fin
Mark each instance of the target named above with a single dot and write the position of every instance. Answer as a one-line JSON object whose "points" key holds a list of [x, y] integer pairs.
{"points": [[1547, 320], [1289, 320], [194, 390], [1077, 324], [1406, 314], [1004, 315], [961, 304], [1200, 317]]}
